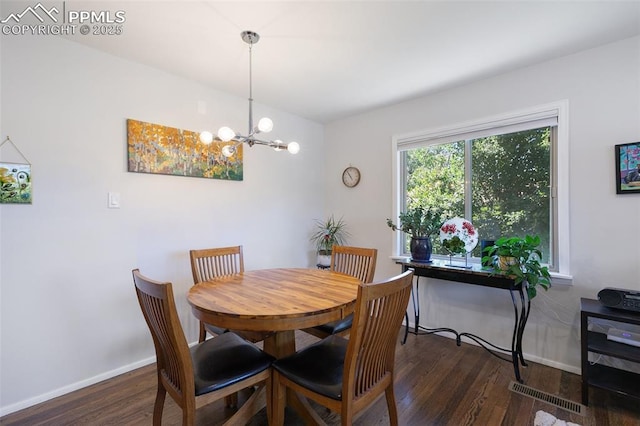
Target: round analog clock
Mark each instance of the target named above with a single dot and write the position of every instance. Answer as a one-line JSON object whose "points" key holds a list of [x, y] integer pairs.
{"points": [[351, 176]]}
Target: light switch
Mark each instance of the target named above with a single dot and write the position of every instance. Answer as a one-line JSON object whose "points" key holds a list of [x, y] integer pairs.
{"points": [[114, 200]]}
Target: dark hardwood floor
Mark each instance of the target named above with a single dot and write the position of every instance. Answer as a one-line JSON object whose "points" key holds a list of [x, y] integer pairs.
{"points": [[437, 383]]}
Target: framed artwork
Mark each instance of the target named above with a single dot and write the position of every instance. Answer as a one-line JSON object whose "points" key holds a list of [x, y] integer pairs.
{"points": [[628, 168], [15, 178], [15, 183], [157, 149]]}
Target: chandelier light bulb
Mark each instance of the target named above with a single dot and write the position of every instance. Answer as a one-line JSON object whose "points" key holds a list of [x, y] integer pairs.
{"points": [[265, 124], [228, 150], [206, 137], [293, 147], [226, 134]]}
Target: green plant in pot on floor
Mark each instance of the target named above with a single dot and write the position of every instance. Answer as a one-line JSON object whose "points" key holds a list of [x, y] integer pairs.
{"points": [[520, 258], [328, 233]]}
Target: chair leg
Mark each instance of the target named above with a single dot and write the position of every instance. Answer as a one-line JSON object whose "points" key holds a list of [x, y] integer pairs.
{"points": [[391, 406], [188, 417], [346, 419], [269, 399], [279, 393], [158, 406]]}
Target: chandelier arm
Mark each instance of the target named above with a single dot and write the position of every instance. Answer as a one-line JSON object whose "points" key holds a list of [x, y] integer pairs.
{"points": [[272, 144], [250, 140], [237, 139]]}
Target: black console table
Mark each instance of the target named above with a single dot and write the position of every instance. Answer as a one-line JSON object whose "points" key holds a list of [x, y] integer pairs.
{"points": [[478, 276]]}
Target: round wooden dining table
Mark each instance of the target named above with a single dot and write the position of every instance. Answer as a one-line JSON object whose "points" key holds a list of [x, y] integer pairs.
{"points": [[278, 301]]}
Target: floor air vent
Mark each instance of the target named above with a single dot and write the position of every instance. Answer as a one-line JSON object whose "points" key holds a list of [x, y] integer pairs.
{"points": [[565, 404]]}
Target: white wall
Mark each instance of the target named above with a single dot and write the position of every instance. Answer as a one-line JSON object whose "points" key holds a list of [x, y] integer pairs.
{"points": [[68, 311], [69, 315], [603, 89]]}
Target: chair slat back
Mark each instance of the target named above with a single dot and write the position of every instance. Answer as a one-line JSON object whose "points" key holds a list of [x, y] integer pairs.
{"points": [[208, 264], [172, 351], [380, 309], [355, 261]]}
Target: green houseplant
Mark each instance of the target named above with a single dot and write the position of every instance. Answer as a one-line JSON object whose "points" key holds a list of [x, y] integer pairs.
{"points": [[419, 223], [328, 233], [520, 258]]}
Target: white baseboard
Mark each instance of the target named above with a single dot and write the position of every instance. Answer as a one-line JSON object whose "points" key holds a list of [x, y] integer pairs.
{"points": [[554, 364], [74, 386]]}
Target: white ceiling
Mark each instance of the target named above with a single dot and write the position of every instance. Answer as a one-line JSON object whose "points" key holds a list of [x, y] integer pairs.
{"points": [[331, 59]]}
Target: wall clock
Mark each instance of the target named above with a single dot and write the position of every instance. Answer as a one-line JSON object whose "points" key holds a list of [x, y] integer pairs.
{"points": [[351, 176]]}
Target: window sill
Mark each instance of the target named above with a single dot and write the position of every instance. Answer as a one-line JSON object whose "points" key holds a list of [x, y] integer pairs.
{"points": [[561, 279]]}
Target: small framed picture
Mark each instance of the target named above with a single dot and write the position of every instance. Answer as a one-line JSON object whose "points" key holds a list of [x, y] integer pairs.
{"points": [[628, 168], [15, 183]]}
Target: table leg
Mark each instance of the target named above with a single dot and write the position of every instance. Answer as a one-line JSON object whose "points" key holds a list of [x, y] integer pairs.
{"points": [[416, 310], [280, 344], [406, 329], [524, 316], [415, 298], [406, 313], [521, 313]]}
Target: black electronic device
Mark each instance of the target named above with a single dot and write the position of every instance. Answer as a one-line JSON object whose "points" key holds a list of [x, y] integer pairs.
{"points": [[620, 298]]}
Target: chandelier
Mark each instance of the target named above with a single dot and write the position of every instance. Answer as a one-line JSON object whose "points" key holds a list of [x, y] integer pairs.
{"points": [[226, 134]]}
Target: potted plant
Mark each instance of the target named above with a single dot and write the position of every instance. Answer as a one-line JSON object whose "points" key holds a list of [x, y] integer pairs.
{"points": [[328, 233], [520, 258], [419, 223]]}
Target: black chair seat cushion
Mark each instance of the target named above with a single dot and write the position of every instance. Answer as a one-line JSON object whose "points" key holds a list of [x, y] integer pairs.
{"points": [[212, 329], [225, 360], [318, 367], [336, 327]]}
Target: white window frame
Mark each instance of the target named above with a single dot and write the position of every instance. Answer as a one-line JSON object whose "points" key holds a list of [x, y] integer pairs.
{"points": [[510, 122]]}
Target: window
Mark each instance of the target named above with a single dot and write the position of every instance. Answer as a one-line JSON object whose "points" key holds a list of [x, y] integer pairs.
{"points": [[502, 173]]}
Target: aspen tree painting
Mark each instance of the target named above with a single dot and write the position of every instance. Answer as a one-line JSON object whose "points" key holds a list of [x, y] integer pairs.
{"points": [[157, 149]]}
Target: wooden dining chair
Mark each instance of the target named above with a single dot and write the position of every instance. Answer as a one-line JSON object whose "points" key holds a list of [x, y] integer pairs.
{"points": [[348, 375], [359, 263], [208, 264], [218, 367]]}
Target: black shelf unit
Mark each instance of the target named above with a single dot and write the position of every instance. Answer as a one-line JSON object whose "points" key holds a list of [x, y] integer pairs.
{"points": [[620, 381]]}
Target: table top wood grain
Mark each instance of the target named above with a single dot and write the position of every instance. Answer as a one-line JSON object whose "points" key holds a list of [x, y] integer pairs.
{"points": [[274, 299]]}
